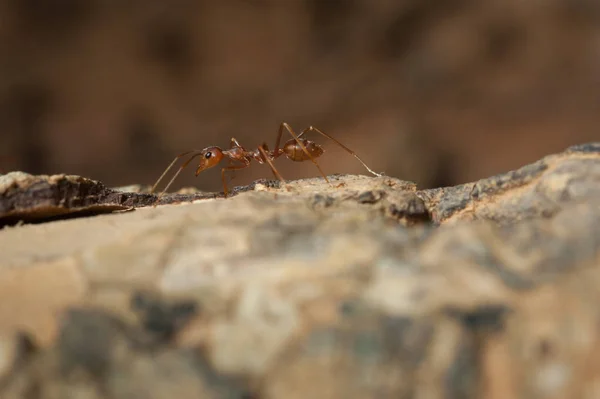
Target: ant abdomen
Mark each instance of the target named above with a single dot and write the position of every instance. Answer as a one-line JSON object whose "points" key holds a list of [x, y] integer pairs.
{"points": [[294, 151]]}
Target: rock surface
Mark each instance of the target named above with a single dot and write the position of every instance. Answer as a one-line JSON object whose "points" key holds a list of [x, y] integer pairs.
{"points": [[367, 288]]}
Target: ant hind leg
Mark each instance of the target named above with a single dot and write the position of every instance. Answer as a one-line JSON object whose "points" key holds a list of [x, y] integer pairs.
{"points": [[311, 128], [297, 138]]}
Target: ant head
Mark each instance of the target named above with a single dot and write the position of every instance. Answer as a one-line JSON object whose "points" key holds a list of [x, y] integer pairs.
{"points": [[209, 157]]}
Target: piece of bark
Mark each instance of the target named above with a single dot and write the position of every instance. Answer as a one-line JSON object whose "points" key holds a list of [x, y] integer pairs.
{"points": [[28, 198]]}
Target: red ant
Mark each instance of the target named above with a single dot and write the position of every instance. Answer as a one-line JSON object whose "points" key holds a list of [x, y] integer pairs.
{"points": [[296, 149]]}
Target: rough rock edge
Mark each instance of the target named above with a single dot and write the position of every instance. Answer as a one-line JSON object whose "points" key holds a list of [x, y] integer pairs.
{"points": [[41, 198], [446, 202]]}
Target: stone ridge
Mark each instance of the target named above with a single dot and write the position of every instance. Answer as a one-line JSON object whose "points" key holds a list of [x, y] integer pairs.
{"points": [[28, 198], [535, 190]]}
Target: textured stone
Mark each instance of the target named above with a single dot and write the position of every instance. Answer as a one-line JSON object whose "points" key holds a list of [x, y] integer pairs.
{"points": [[537, 190], [369, 289], [32, 297]]}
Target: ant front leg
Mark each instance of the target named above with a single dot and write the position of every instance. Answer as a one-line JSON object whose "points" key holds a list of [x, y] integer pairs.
{"points": [[232, 174], [232, 144], [231, 169]]}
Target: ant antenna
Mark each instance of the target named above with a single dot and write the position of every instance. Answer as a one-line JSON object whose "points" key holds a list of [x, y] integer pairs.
{"points": [[183, 166]]}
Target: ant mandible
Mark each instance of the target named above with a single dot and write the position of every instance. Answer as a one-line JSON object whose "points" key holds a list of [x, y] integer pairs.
{"points": [[297, 149]]}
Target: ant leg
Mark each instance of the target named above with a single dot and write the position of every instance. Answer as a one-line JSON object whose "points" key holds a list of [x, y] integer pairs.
{"points": [[231, 168], [311, 128], [232, 174], [278, 141], [233, 143], [283, 125], [169, 168], [273, 168], [297, 138]]}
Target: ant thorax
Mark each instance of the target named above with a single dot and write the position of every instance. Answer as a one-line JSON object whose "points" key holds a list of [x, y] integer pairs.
{"points": [[236, 152]]}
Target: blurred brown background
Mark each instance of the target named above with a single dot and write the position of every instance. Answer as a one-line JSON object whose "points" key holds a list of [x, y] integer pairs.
{"points": [[437, 92]]}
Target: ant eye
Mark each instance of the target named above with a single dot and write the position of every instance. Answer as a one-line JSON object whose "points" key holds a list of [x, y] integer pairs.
{"points": [[208, 155]]}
